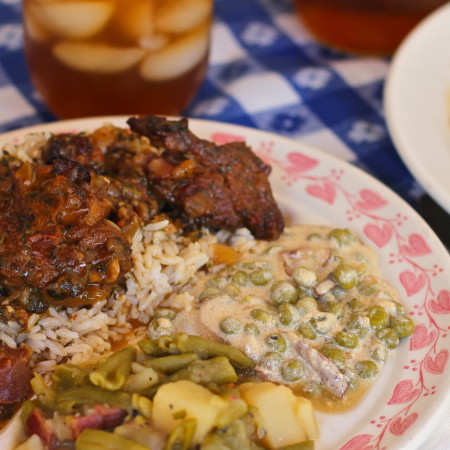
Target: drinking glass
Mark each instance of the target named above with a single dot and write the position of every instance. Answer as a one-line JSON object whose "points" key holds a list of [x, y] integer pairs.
{"points": [[100, 57]]}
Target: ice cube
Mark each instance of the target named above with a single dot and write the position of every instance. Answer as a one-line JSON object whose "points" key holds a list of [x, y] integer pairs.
{"points": [[73, 19], [177, 57], [100, 58], [179, 16], [134, 18]]}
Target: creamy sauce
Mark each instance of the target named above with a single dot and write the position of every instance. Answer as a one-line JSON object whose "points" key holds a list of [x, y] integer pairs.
{"points": [[237, 308]]}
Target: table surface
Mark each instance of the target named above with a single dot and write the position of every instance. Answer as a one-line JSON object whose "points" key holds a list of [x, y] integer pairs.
{"points": [[267, 72]]}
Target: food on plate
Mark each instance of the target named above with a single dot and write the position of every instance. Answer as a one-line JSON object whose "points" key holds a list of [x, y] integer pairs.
{"points": [[167, 255], [180, 395]]}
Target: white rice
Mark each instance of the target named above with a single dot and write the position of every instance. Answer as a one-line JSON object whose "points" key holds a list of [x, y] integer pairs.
{"points": [[165, 265]]}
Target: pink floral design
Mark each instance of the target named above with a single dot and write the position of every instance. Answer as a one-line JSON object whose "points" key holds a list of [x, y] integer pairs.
{"points": [[415, 278]]}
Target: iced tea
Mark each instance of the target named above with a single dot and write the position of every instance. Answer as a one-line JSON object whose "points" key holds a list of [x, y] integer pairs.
{"points": [[364, 26], [99, 57]]}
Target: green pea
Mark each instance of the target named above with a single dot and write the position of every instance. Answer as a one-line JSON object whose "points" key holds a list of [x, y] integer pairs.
{"points": [[262, 315], [306, 305], [230, 325], [216, 282], [335, 308], [378, 316], [306, 331], [403, 325], [314, 237], [240, 277], [366, 369], [322, 323], [272, 360], [287, 314], [400, 309], [355, 304], [232, 290], [352, 379], [357, 323], [346, 276], [379, 353], [276, 342], [261, 277], [388, 337], [282, 292], [251, 329], [292, 371], [343, 236], [346, 339], [367, 290], [336, 355], [303, 292], [305, 277], [165, 313], [210, 293], [248, 265]]}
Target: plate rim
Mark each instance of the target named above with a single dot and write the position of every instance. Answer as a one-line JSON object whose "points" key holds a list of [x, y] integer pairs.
{"points": [[58, 126], [416, 163]]}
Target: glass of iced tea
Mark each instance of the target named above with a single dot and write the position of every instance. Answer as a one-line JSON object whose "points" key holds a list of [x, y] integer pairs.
{"points": [[101, 57], [363, 26]]}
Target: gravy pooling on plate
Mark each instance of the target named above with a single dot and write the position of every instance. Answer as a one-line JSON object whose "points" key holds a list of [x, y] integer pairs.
{"points": [[311, 309]]}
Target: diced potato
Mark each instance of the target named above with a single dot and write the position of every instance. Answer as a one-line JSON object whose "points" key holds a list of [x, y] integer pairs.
{"points": [[97, 57], [177, 57], [305, 415], [198, 403], [32, 443], [73, 19], [179, 16], [134, 18], [277, 414]]}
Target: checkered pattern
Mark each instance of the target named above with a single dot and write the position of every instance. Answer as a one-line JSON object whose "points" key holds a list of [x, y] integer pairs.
{"points": [[265, 72]]}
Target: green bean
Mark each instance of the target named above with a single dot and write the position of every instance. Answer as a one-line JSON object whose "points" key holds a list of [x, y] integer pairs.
{"points": [[240, 277], [236, 409], [336, 355], [343, 236], [262, 315], [67, 402], [172, 363], [217, 370], [346, 339], [305, 445], [140, 382], [261, 277], [346, 276], [292, 371], [69, 375], [45, 394], [276, 342], [306, 331], [230, 325], [282, 292], [335, 308], [182, 436], [306, 305], [366, 369], [142, 405], [378, 316], [403, 325], [151, 347], [287, 314], [305, 277], [388, 337], [230, 437], [91, 439], [205, 348], [113, 372]]}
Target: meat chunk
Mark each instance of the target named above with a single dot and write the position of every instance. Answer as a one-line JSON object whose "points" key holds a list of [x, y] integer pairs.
{"points": [[217, 186], [57, 245], [15, 378]]}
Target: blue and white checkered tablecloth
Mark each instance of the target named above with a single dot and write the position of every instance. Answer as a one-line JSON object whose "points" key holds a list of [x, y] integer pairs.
{"points": [[267, 72]]}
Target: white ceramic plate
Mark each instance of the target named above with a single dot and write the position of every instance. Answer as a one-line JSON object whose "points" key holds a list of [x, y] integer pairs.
{"points": [[313, 187], [417, 103]]}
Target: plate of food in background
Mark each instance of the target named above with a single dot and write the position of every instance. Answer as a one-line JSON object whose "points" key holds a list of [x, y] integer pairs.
{"points": [[417, 104], [166, 254]]}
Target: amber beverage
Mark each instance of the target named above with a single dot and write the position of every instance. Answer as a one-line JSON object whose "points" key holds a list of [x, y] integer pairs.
{"points": [[363, 26], [101, 57]]}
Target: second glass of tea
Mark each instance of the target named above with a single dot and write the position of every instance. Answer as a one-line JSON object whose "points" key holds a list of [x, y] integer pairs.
{"points": [[101, 57]]}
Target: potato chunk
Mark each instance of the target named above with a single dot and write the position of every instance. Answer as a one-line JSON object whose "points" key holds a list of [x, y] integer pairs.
{"points": [[73, 19], [306, 417], [196, 401], [277, 409]]}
